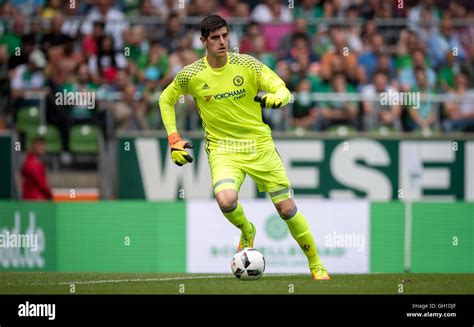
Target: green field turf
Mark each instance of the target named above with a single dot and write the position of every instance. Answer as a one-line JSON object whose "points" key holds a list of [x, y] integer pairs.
{"points": [[167, 283]]}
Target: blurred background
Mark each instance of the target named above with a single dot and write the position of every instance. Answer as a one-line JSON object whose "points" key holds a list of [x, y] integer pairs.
{"points": [[400, 177]]}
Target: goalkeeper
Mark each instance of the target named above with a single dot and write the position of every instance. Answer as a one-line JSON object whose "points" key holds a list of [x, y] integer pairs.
{"points": [[237, 141]]}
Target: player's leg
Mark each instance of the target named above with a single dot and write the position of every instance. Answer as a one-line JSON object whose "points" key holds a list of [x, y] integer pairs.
{"points": [[269, 173], [300, 231], [227, 179], [234, 212]]}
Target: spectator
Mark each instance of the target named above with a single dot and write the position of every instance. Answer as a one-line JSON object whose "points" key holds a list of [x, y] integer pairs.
{"points": [[27, 47], [271, 11], [261, 54], [229, 8], [252, 31], [107, 61], [441, 43], [300, 47], [424, 117], [304, 108], [12, 40], [460, 113], [28, 7], [335, 113], [115, 22], [26, 77], [374, 113], [309, 9], [129, 113], [385, 10], [167, 7], [173, 32], [386, 64], [468, 64], [407, 76], [34, 181], [81, 81], [425, 12], [90, 43], [369, 29], [155, 64], [52, 9], [202, 7], [354, 40], [136, 43], [367, 9], [447, 72], [55, 37], [300, 27], [368, 60], [71, 26], [63, 61], [148, 9], [340, 48]]}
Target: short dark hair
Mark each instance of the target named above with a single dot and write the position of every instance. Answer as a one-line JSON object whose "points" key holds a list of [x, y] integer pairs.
{"points": [[212, 23]]}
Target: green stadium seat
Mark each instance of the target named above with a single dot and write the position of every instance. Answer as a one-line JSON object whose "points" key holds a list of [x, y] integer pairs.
{"points": [[27, 118], [51, 136], [84, 139]]}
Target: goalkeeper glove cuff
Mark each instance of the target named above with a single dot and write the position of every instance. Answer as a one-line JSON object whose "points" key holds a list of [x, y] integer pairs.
{"points": [[178, 147]]}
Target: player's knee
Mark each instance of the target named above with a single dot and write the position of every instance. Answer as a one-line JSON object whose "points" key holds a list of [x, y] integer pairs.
{"points": [[286, 209], [227, 200]]}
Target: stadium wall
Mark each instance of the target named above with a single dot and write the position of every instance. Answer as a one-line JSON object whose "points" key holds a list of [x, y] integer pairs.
{"points": [[353, 236], [382, 169]]}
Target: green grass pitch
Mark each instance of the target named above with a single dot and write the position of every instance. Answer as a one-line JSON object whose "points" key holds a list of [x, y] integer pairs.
{"points": [[176, 283]]}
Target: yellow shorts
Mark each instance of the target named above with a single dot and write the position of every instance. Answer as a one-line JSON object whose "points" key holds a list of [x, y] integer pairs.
{"points": [[228, 171]]}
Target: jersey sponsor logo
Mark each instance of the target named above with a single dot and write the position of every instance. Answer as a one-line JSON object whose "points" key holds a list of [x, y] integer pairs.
{"points": [[238, 80], [237, 94], [205, 87], [208, 97]]}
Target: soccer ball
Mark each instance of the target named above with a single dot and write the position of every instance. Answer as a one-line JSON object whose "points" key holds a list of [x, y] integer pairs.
{"points": [[248, 264]]}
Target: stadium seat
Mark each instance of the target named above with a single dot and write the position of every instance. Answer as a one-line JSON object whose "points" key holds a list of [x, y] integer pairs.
{"points": [[27, 118], [51, 136], [83, 139]]}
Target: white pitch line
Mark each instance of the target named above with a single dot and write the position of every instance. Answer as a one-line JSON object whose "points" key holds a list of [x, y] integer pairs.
{"points": [[167, 279], [111, 281]]}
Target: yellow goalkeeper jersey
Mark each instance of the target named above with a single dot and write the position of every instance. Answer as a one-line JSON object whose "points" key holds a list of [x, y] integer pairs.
{"points": [[225, 100]]}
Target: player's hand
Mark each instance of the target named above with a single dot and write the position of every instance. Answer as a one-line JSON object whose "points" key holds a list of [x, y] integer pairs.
{"points": [[270, 100], [178, 147]]}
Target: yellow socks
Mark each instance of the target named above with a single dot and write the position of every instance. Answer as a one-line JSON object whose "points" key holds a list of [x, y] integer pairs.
{"points": [[300, 231], [237, 217]]}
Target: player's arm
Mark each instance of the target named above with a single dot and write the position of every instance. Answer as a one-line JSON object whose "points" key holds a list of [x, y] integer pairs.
{"points": [[178, 147], [277, 93]]}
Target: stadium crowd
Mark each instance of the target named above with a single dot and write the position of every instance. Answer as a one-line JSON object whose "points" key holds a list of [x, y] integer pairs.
{"points": [[135, 48]]}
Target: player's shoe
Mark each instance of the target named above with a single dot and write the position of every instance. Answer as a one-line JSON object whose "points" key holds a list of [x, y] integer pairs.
{"points": [[319, 273], [247, 242]]}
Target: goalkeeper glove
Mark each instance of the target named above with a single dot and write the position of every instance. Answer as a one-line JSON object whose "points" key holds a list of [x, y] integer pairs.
{"points": [[178, 153], [270, 100]]}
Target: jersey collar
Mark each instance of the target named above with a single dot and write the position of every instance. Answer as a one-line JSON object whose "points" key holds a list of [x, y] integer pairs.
{"points": [[220, 68]]}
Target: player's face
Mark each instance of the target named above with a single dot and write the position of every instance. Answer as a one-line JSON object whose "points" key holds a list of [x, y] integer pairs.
{"points": [[217, 42]]}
